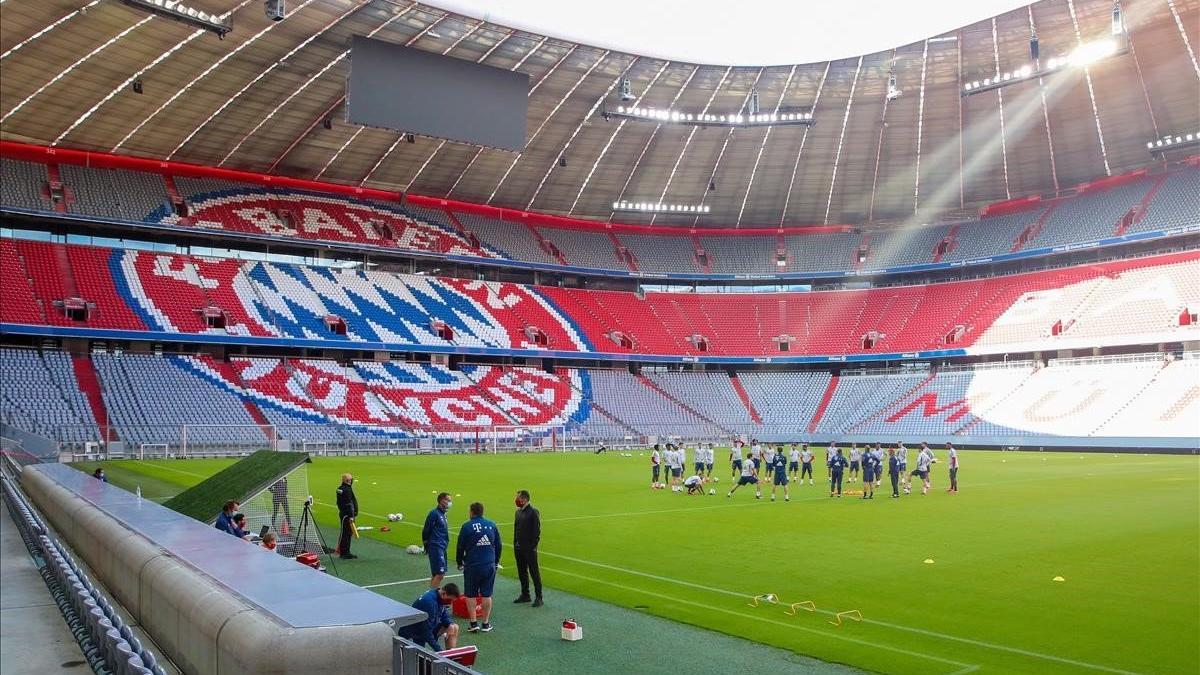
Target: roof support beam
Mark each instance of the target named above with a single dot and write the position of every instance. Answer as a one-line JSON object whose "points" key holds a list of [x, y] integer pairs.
{"points": [[837, 157], [761, 146], [787, 198], [712, 175], [690, 136]]}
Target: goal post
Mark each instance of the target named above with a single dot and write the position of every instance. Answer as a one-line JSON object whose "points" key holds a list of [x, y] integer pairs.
{"points": [[226, 439], [153, 450], [522, 438]]}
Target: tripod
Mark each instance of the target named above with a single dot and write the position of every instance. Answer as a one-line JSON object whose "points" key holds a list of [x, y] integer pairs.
{"points": [[306, 518]]}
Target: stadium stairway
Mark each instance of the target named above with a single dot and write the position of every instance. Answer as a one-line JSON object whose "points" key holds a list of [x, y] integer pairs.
{"points": [[651, 384], [89, 384], [824, 404], [741, 392], [1143, 207]]}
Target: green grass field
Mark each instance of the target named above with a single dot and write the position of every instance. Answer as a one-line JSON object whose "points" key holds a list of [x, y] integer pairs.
{"points": [[1123, 531]]}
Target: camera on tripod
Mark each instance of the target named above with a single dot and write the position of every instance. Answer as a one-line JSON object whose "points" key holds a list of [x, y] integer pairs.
{"points": [[309, 501]]}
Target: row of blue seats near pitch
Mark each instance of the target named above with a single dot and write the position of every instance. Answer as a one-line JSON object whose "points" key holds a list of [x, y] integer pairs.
{"points": [[357, 249]]}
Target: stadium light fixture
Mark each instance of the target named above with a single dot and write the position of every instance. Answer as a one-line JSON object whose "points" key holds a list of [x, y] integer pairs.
{"points": [[1083, 55], [659, 207], [177, 11], [751, 118], [1172, 142]]}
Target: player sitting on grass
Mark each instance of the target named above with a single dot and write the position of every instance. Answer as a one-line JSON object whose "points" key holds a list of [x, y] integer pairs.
{"points": [[837, 466], [778, 467], [749, 477], [434, 602], [694, 484]]}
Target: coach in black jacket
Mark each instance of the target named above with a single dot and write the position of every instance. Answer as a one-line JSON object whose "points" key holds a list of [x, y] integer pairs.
{"points": [[347, 505], [527, 532]]}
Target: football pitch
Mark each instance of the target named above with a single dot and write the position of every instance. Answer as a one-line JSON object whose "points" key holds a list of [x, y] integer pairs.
{"points": [[943, 583]]}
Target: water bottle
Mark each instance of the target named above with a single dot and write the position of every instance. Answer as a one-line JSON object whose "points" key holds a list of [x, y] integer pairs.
{"points": [[139, 494]]}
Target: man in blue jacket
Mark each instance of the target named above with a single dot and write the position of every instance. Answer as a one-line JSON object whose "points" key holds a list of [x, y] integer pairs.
{"points": [[477, 556], [435, 537], [437, 619]]}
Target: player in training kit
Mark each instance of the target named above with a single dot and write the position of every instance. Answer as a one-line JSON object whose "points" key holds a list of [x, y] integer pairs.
{"points": [[924, 459], [837, 465], [749, 477], [676, 466], [902, 457], [806, 460], [756, 454], [735, 458], [778, 468], [794, 462], [953, 459], [768, 457], [698, 459], [830, 453], [655, 465], [869, 467], [881, 461], [855, 460], [694, 484], [709, 454], [894, 472]]}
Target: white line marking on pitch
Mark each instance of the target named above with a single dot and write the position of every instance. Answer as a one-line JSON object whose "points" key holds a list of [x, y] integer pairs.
{"points": [[921, 631], [963, 667], [408, 581]]}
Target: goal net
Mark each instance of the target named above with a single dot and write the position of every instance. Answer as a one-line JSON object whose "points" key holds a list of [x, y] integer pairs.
{"points": [[517, 438], [315, 447], [280, 507], [153, 451], [226, 439]]}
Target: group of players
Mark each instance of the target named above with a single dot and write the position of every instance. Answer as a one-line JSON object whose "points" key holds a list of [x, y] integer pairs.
{"points": [[781, 466]]}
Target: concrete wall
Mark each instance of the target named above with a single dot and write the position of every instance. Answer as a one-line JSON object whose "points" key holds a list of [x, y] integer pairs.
{"points": [[199, 625]]}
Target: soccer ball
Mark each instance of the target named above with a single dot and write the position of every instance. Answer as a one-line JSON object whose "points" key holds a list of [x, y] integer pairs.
{"points": [[712, 492], [394, 517], [716, 480]]}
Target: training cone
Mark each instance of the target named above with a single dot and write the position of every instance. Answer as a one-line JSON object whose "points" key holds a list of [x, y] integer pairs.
{"points": [[929, 561], [1058, 579]]}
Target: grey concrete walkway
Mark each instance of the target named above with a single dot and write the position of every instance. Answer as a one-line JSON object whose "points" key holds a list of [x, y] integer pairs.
{"points": [[33, 635]]}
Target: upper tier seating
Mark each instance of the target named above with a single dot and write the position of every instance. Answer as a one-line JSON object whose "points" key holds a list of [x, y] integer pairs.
{"points": [[1125, 302], [513, 239], [1092, 215], [115, 193], [741, 255], [1177, 203], [20, 304], [39, 394], [253, 208], [23, 185], [584, 249], [662, 253]]}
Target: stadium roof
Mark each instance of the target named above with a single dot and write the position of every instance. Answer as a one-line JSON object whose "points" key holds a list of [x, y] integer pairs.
{"points": [[705, 31], [256, 100]]}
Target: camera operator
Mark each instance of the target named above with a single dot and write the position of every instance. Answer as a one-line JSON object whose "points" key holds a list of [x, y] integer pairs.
{"points": [[347, 505]]}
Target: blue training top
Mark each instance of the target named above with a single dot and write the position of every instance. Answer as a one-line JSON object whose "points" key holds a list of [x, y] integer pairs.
{"points": [[425, 632], [478, 543], [436, 533]]}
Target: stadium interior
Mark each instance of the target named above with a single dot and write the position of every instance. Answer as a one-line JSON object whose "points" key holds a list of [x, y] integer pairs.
{"points": [[988, 238]]}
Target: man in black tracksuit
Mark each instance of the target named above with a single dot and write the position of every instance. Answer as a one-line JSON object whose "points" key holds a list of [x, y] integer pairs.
{"points": [[527, 532], [347, 505]]}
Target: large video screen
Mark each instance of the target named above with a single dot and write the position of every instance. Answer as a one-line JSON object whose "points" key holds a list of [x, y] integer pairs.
{"points": [[406, 89]]}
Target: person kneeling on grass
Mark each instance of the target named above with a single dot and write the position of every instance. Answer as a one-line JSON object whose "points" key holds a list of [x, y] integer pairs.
{"points": [[694, 485], [434, 602]]}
